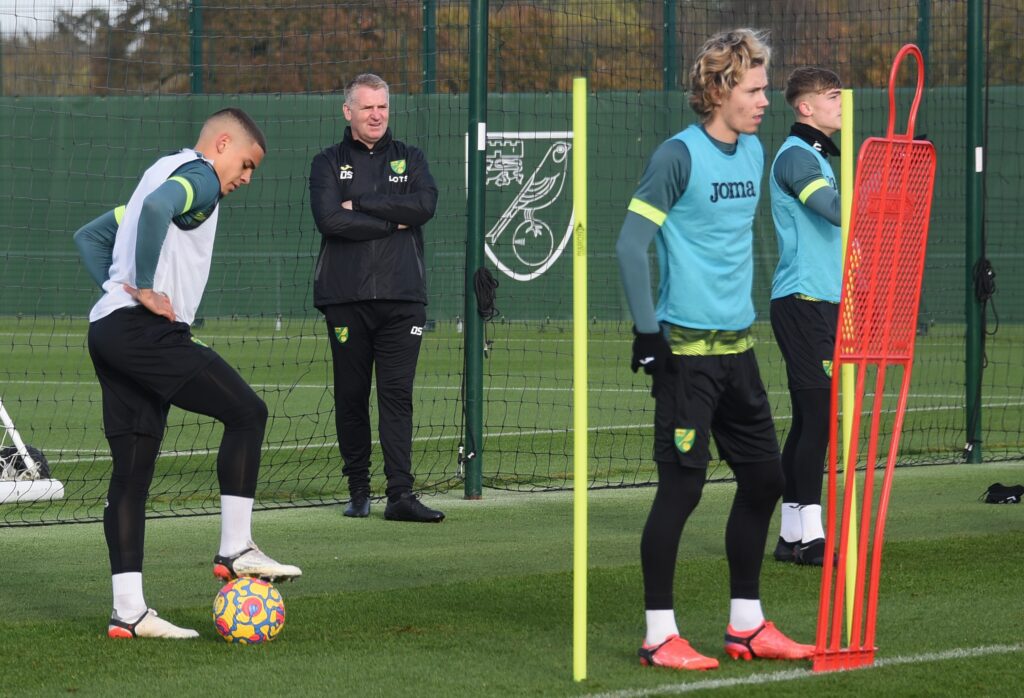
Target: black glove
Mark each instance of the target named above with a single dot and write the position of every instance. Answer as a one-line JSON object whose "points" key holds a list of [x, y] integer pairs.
{"points": [[651, 350]]}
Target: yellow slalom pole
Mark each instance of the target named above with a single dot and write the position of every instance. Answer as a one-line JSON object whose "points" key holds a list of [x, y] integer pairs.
{"points": [[581, 474], [849, 372]]}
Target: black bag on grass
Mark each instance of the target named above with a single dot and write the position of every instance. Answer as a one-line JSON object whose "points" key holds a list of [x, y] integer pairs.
{"points": [[1003, 494]]}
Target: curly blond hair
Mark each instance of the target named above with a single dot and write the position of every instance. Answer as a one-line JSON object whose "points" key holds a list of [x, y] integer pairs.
{"points": [[721, 64]]}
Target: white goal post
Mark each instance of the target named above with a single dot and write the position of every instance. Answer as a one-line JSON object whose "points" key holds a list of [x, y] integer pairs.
{"points": [[22, 477]]}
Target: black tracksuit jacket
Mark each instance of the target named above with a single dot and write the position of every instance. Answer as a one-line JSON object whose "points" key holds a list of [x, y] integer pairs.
{"points": [[363, 254]]}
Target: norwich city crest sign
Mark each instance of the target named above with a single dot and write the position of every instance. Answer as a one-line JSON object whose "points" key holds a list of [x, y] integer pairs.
{"points": [[527, 173]]}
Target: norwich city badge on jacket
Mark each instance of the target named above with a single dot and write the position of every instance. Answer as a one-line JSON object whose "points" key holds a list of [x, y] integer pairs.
{"points": [[341, 333], [399, 176]]}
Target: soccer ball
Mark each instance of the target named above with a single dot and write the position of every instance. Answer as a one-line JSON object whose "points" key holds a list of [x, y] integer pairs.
{"points": [[248, 611]]}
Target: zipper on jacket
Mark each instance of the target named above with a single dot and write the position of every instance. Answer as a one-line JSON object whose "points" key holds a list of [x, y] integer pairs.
{"points": [[373, 243]]}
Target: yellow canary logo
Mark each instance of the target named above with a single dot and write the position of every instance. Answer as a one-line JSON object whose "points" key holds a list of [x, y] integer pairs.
{"points": [[341, 333], [684, 439]]}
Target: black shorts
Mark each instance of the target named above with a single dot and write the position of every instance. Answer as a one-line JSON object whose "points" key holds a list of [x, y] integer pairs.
{"points": [[721, 396], [806, 333], [141, 360]]}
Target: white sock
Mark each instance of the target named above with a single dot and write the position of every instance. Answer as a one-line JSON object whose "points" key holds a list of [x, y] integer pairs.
{"points": [[745, 614], [791, 528], [660, 625], [235, 524], [810, 520], [129, 603]]}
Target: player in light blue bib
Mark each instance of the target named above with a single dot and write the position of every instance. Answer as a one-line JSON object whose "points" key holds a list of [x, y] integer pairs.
{"points": [[697, 201], [805, 299]]}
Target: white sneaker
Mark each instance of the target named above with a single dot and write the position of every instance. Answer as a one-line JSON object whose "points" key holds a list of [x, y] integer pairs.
{"points": [[253, 562], [149, 624]]}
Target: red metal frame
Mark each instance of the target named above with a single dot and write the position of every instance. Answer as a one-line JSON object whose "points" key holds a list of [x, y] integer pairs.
{"points": [[877, 328]]}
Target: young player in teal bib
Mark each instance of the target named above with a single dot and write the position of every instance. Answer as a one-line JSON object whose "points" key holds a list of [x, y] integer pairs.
{"points": [[805, 299], [697, 200]]}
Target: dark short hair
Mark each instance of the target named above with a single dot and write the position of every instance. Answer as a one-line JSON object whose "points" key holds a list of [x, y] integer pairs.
{"points": [[246, 122], [806, 81]]}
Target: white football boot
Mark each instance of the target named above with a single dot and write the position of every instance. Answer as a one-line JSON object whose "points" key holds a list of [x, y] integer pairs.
{"points": [[149, 624], [253, 562]]}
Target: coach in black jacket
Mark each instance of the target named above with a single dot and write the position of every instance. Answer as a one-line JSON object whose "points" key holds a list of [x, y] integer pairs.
{"points": [[370, 196]]}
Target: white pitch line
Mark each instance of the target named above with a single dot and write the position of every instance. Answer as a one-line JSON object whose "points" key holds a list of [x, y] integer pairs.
{"points": [[332, 444], [323, 338], [541, 389], [429, 336], [798, 674], [313, 386], [568, 389], [646, 426]]}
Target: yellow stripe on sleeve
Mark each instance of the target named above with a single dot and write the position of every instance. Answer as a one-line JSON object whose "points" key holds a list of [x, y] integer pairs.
{"points": [[811, 188], [642, 208], [189, 194], [119, 214]]}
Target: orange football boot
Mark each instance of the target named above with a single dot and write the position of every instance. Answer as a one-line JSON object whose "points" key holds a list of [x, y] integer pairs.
{"points": [[675, 653], [764, 642]]}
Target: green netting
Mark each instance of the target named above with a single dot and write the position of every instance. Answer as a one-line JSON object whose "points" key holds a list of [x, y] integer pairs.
{"points": [[90, 97]]}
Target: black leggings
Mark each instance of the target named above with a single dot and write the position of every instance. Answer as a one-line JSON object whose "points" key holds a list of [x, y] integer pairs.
{"points": [[217, 391], [803, 456], [758, 486]]}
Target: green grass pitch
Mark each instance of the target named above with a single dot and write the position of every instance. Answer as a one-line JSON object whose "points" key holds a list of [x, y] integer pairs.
{"points": [[481, 604]]}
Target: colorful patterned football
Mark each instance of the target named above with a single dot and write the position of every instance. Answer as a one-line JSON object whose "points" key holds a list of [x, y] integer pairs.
{"points": [[248, 611]]}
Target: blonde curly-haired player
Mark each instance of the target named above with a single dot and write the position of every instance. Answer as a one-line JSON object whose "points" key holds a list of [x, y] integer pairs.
{"points": [[697, 200]]}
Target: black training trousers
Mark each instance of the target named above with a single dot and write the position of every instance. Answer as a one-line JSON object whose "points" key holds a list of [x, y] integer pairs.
{"points": [[382, 337]]}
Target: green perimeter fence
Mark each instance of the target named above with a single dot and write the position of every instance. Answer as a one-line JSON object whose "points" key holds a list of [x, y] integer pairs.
{"points": [[75, 150]]}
